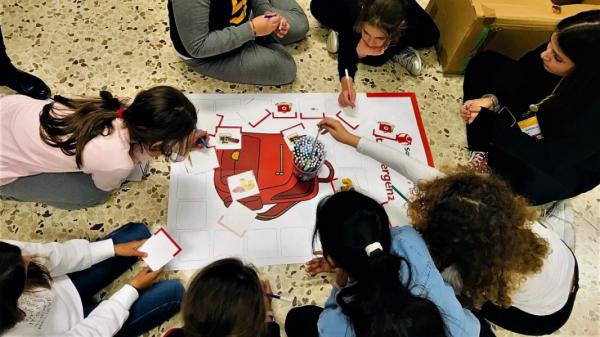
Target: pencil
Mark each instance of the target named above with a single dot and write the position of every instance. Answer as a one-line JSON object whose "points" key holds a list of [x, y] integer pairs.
{"points": [[400, 193]]}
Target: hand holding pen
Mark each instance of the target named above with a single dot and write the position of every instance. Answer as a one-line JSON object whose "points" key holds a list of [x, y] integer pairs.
{"points": [[266, 24], [348, 96], [284, 25], [200, 139]]}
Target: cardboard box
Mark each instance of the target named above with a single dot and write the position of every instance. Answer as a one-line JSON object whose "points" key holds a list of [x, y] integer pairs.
{"points": [[512, 27]]}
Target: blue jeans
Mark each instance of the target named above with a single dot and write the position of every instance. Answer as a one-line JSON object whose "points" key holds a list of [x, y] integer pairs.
{"points": [[154, 306]]}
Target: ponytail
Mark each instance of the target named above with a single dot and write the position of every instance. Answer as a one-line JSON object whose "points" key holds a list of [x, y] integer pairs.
{"points": [[160, 115], [354, 232], [70, 133]]}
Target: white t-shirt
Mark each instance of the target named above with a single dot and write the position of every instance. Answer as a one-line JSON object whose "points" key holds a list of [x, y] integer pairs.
{"points": [[58, 311]]}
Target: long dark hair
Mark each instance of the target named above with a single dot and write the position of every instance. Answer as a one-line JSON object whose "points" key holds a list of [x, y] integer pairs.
{"points": [[387, 15], [225, 298], [160, 114], [578, 36], [14, 280], [377, 303]]}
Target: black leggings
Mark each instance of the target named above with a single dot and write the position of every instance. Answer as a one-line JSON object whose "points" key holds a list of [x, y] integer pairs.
{"points": [[525, 323]]}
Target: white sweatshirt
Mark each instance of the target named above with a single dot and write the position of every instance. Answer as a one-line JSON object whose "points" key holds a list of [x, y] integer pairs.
{"points": [[541, 294], [58, 311]]}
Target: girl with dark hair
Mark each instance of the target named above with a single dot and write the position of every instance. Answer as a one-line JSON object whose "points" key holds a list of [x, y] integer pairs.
{"points": [[553, 93], [225, 299], [500, 257], [49, 289], [70, 153], [373, 32], [386, 282]]}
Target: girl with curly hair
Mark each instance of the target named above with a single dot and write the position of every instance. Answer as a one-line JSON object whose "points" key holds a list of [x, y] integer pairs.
{"points": [[487, 241]]}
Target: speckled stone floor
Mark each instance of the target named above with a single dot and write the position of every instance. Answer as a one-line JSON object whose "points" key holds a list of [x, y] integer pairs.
{"points": [[80, 47]]}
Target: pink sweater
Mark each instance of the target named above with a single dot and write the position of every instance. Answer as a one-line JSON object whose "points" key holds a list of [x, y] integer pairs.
{"points": [[23, 153]]}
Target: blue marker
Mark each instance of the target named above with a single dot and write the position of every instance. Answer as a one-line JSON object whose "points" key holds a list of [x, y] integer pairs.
{"points": [[203, 142]]}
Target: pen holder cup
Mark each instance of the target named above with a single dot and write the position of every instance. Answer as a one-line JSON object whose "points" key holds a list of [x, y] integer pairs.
{"points": [[306, 175]]}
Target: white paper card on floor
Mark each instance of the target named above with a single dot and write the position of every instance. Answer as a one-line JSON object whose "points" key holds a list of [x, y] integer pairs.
{"points": [[161, 248]]}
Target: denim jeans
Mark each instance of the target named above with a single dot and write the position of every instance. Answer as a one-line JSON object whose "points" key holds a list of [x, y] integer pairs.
{"points": [[154, 306]]}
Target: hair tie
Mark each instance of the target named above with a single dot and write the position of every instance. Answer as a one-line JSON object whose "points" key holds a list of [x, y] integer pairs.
{"points": [[370, 249], [120, 112]]}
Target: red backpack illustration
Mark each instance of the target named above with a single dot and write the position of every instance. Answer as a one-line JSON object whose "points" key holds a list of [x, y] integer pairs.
{"points": [[268, 156]]}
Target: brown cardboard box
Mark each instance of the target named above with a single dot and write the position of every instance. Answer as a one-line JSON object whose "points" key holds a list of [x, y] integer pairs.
{"points": [[512, 27]]}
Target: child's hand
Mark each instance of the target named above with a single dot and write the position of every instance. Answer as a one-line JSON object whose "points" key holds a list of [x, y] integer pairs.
{"points": [[284, 25], [129, 249], [363, 50], [144, 278], [338, 132], [471, 108], [348, 96], [318, 265], [266, 25], [197, 136], [267, 290]]}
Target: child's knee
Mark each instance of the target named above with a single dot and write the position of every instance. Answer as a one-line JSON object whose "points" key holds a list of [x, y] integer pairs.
{"points": [[137, 230]]}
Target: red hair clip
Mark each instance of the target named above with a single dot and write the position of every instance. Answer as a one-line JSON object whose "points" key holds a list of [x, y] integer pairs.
{"points": [[120, 112]]}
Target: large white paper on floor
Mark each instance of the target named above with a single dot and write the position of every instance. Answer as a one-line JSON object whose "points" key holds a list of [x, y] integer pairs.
{"points": [[195, 206]]}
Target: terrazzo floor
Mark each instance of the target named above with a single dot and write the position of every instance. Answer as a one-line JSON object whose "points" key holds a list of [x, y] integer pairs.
{"points": [[80, 47]]}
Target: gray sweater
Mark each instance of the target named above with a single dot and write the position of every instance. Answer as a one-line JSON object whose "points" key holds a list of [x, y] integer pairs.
{"points": [[191, 22]]}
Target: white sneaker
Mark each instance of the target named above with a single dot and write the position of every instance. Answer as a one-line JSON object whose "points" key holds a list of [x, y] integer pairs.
{"points": [[559, 219], [410, 59], [333, 43]]}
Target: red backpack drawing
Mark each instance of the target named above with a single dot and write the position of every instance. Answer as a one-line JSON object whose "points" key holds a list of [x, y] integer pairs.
{"points": [[268, 156]]}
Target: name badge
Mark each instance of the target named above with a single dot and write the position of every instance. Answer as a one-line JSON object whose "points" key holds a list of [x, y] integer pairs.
{"points": [[531, 127]]}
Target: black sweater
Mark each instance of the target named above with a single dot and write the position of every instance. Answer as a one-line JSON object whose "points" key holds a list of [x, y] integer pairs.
{"points": [[421, 32], [569, 153]]}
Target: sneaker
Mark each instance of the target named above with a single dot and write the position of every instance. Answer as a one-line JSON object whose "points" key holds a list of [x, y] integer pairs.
{"points": [[478, 162], [410, 59], [333, 43], [559, 219]]}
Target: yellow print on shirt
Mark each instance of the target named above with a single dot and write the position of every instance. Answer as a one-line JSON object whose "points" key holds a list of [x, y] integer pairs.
{"points": [[238, 11]]}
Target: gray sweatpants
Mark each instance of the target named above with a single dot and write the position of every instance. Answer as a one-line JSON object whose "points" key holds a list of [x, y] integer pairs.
{"points": [[72, 190], [264, 61]]}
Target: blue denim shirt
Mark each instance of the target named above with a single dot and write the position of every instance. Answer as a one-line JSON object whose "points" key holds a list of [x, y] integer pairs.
{"points": [[426, 283]]}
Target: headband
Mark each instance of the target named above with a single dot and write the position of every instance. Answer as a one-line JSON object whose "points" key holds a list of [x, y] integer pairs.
{"points": [[120, 112]]}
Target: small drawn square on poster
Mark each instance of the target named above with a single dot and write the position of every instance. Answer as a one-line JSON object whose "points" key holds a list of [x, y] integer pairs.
{"points": [[242, 185]]}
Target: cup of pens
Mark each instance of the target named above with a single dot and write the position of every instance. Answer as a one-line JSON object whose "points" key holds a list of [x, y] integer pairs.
{"points": [[309, 155]]}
